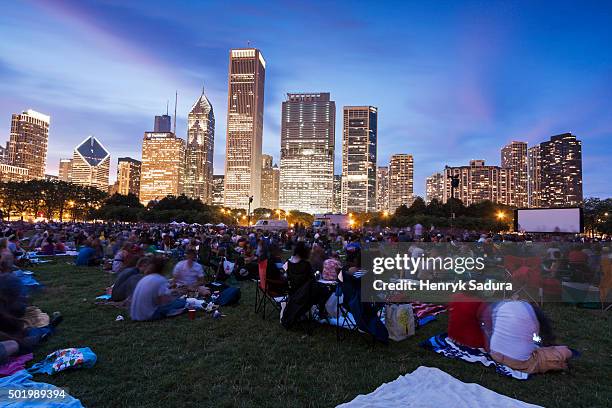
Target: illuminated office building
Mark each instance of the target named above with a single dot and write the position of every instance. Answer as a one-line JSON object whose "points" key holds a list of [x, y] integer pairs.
{"points": [[27, 146], [401, 181], [561, 171], [534, 165], [128, 176], [163, 166], [217, 195], [307, 152], [514, 156], [65, 170], [434, 186], [337, 207], [200, 150], [91, 164], [270, 178], [359, 139], [382, 188], [13, 173], [247, 70], [478, 182]]}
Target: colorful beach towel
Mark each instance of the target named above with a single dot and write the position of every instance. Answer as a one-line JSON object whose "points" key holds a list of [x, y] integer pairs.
{"points": [[442, 344], [64, 359]]}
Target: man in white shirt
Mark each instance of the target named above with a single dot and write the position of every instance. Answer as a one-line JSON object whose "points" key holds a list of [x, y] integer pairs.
{"points": [[189, 275]]}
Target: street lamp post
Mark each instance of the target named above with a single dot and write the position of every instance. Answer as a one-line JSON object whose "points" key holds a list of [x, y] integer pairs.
{"points": [[249, 210], [454, 184]]}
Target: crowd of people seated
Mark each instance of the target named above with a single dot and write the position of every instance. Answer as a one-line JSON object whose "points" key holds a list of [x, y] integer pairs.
{"points": [[297, 261]]}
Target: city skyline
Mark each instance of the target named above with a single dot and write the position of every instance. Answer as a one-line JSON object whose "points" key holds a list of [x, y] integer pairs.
{"points": [[546, 94]]}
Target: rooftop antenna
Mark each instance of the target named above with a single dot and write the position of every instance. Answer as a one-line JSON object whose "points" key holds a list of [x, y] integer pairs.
{"points": [[167, 102], [175, 101], [248, 43]]}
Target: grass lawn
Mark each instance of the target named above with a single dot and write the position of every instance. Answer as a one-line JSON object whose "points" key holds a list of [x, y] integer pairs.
{"points": [[244, 361]]}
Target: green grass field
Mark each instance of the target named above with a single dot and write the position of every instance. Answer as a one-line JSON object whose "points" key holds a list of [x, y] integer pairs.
{"points": [[244, 361]]}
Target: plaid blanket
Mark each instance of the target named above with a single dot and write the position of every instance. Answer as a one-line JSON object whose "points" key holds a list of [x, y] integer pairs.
{"points": [[442, 344]]}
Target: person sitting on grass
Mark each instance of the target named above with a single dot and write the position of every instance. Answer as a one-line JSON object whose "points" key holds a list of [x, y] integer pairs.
{"points": [[152, 298], [87, 255], [14, 327], [188, 275], [520, 336], [128, 279]]}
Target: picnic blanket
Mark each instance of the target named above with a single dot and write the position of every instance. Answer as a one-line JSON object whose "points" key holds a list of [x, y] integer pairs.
{"points": [[26, 279], [442, 344], [21, 382], [14, 364], [429, 387]]}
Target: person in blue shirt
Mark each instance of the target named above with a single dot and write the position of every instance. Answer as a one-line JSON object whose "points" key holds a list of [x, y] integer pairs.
{"points": [[87, 255]]}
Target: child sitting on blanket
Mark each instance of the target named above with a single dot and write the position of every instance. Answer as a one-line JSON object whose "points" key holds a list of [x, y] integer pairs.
{"points": [[514, 333]]}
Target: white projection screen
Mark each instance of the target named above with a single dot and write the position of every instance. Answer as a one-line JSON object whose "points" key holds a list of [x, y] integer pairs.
{"points": [[549, 220]]}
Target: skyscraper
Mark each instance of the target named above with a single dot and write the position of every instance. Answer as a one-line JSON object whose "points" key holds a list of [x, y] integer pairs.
{"points": [[359, 142], [401, 181], [478, 182], [270, 176], [307, 152], [163, 166], [163, 123], [65, 170], [561, 171], [434, 186], [200, 150], [91, 164], [27, 146], [514, 156], [535, 176], [218, 190], [128, 176], [337, 208], [4, 154], [382, 188], [247, 71]]}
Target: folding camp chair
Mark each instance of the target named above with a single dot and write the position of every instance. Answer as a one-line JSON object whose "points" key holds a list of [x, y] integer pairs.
{"points": [[268, 291], [344, 318], [525, 272]]}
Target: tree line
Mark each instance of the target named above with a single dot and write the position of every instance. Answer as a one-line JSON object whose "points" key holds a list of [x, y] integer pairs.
{"points": [[48, 199], [54, 199]]}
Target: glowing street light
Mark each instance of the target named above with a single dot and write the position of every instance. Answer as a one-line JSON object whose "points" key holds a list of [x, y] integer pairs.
{"points": [[385, 213], [501, 215]]}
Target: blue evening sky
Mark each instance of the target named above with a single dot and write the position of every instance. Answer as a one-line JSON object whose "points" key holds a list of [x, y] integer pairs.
{"points": [[453, 80]]}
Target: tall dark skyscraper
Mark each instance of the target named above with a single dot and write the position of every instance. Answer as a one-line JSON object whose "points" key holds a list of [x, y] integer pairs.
{"points": [[359, 143], [245, 106], [200, 149], [307, 152], [163, 123], [561, 171]]}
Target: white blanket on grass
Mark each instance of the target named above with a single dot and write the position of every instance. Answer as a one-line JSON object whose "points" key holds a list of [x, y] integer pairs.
{"points": [[428, 387]]}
